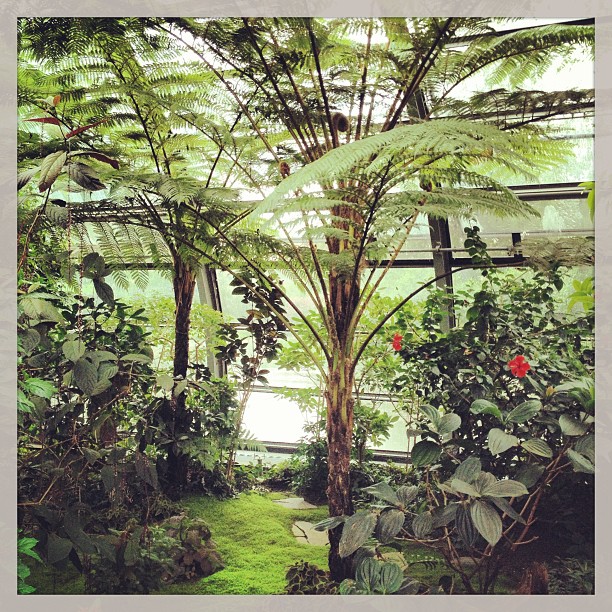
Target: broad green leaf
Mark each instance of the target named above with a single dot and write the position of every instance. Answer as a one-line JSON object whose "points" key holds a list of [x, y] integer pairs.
{"points": [[29, 339], [57, 548], [73, 349], [93, 265], [181, 385], [422, 525], [106, 371], [484, 480], [349, 587], [537, 447], [357, 529], [586, 446], [146, 470], [389, 525], [368, 574], [486, 520], [444, 515], [104, 291], [132, 550], [165, 381], [448, 423], [23, 178], [468, 470], [499, 441], [329, 523], [26, 546], [571, 426], [384, 491], [50, 168], [85, 375], [101, 356], [407, 493], [482, 406], [431, 413], [529, 474], [136, 358], [465, 527], [425, 452], [525, 411], [79, 538], [505, 488], [391, 578], [580, 463], [37, 308], [84, 176], [101, 386], [506, 508], [110, 478], [464, 487], [40, 388]]}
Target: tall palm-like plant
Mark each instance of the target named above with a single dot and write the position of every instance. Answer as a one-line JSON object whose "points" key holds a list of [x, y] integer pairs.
{"points": [[157, 122], [367, 108]]}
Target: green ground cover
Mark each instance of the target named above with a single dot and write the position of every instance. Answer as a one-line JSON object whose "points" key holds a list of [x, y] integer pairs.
{"points": [[253, 535], [254, 538]]}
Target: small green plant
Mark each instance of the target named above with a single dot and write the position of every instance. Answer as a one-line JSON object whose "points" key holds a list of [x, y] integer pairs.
{"points": [[25, 548], [379, 577], [571, 576], [305, 578]]}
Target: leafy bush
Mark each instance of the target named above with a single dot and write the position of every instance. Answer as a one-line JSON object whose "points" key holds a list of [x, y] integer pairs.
{"points": [[571, 576], [508, 419]]}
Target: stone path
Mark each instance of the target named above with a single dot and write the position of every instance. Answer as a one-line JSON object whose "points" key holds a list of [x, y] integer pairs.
{"points": [[295, 503], [303, 530]]}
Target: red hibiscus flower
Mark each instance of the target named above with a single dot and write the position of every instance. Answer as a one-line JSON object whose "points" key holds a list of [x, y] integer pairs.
{"points": [[518, 366], [397, 342]]}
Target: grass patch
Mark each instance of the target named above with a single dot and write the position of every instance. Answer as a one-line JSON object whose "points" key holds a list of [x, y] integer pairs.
{"points": [[254, 537]]}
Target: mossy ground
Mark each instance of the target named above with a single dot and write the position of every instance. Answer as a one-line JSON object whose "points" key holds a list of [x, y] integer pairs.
{"points": [[253, 535], [254, 538]]}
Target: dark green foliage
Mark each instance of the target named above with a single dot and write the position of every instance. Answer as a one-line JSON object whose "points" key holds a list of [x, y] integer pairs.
{"points": [[138, 561], [375, 577], [466, 369], [309, 463], [571, 576], [304, 578]]}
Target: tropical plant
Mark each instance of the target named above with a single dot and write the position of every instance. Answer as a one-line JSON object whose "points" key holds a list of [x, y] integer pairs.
{"points": [[351, 209], [296, 84], [137, 93]]}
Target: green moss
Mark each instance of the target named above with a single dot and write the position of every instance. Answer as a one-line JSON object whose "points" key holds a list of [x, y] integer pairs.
{"points": [[254, 537], [51, 581]]}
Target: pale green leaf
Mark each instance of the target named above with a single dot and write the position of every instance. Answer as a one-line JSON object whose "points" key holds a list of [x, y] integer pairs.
{"points": [[487, 521], [500, 442]]}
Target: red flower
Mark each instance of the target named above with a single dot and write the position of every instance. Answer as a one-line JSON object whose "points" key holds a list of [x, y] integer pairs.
{"points": [[397, 342], [518, 366]]}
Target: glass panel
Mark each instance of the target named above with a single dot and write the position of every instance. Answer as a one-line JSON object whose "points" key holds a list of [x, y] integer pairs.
{"points": [[569, 216]]}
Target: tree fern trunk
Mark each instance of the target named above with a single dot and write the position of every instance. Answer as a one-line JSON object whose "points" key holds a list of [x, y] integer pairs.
{"points": [[340, 404], [184, 288], [339, 432]]}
